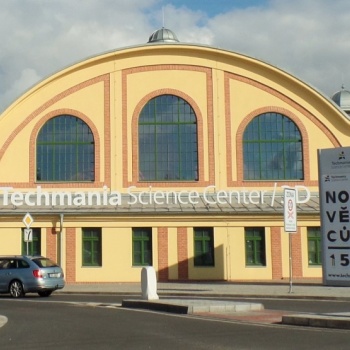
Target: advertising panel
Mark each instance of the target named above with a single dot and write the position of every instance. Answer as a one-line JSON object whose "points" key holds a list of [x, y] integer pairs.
{"points": [[334, 180]]}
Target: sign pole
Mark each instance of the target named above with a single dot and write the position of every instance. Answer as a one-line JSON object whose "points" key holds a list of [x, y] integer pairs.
{"points": [[290, 264], [290, 225]]}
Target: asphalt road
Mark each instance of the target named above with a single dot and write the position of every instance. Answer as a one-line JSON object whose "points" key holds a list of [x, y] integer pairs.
{"points": [[90, 322]]}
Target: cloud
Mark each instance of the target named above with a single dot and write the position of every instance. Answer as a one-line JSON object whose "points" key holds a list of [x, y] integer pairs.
{"points": [[28, 77], [46, 36], [308, 38]]}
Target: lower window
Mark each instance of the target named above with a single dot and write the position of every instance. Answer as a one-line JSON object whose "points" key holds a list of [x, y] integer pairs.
{"points": [[203, 246], [314, 245], [142, 246], [92, 247], [255, 246], [33, 247]]}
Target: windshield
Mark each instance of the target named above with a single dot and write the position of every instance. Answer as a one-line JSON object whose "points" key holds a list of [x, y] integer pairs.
{"points": [[44, 262]]}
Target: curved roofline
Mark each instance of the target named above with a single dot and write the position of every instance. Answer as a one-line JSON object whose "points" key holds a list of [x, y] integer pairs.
{"points": [[150, 45]]}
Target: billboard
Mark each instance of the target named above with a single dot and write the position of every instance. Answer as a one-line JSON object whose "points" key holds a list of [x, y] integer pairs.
{"points": [[334, 183]]}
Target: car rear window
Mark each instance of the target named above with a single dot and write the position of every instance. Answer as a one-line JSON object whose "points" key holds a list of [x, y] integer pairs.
{"points": [[44, 262]]}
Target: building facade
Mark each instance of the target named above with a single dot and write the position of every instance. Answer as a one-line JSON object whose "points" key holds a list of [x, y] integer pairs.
{"points": [[166, 154]]}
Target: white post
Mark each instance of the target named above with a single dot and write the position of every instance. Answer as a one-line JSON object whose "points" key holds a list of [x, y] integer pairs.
{"points": [[149, 283]]}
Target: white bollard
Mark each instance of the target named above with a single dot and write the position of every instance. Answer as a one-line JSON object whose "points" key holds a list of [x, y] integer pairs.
{"points": [[149, 283]]}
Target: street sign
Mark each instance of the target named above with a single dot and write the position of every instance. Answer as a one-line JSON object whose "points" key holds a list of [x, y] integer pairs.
{"points": [[290, 210], [28, 235], [27, 220]]}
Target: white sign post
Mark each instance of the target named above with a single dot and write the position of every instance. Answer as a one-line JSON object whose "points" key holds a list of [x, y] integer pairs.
{"points": [[28, 235], [334, 182], [290, 225], [28, 232]]}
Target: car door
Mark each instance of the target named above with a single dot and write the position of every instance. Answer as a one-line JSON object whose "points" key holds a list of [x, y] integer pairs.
{"points": [[7, 270]]}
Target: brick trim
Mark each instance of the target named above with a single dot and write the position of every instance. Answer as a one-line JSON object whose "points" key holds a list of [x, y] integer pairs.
{"points": [[71, 259], [276, 253], [239, 148], [51, 243], [297, 262], [163, 254], [34, 135], [182, 253], [133, 133], [239, 136], [105, 79]]}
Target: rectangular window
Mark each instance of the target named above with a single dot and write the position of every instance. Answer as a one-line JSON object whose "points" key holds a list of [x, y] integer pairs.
{"points": [[34, 247], [203, 246], [314, 245], [142, 246], [92, 247], [255, 246]]}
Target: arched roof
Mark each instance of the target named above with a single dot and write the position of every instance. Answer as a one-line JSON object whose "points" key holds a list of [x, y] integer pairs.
{"points": [[165, 42]]}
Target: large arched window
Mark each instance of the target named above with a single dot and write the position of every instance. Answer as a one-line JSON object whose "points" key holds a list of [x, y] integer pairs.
{"points": [[272, 149], [168, 140], [65, 150]]}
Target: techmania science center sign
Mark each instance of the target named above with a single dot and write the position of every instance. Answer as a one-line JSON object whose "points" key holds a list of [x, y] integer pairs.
{"points": [[106, 197]]}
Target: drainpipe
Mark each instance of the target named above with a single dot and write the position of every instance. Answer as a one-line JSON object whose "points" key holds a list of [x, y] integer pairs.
{"points": [[61, 222]]}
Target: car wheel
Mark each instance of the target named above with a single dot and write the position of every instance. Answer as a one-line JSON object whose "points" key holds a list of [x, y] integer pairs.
{"points": [[45, 293], [16, 289]]}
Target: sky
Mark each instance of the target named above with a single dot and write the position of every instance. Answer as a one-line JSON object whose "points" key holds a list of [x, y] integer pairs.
{"points": [[309, 39]]}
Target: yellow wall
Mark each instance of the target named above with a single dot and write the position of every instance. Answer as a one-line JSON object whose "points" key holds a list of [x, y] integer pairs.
{"points": [[106, 91], [87, 96]]}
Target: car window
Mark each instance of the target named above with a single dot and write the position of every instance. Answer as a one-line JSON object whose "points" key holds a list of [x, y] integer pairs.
{"points": [[22, 264], [13, 264], [8, 264], [44, 262], [4, 263]]}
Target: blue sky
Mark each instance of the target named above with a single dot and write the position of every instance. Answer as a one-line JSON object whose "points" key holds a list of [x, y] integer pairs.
{"points": [[214, 7], [307, 38]]}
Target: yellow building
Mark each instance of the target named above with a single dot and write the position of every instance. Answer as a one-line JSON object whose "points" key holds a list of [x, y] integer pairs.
{"points": [[166, 154]]}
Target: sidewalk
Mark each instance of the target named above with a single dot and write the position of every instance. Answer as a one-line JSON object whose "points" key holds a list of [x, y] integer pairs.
{"points": [[314, 290], [194, 298], [210, 299]]}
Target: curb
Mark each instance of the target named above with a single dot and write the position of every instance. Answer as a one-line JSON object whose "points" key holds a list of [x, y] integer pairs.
{"points": [[322, 321], [215, 295], [156, 306], [191, 306]]}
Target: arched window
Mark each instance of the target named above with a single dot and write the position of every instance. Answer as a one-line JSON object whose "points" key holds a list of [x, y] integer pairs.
{"points": [[168, 140], [65, 151], [272, 149]]}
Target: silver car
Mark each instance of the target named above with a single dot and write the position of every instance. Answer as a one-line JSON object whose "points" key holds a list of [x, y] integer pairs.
{"points": [[21, 274]]}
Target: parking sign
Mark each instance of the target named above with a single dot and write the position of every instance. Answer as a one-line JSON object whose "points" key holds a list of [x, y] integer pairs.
{"points": [[290, 210]]}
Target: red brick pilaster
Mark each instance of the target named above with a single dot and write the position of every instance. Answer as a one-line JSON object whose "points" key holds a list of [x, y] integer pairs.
{"points": [[71, 259], [297, 263], [51, 243], [182, 253], [276, 253], [163, 267]]}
